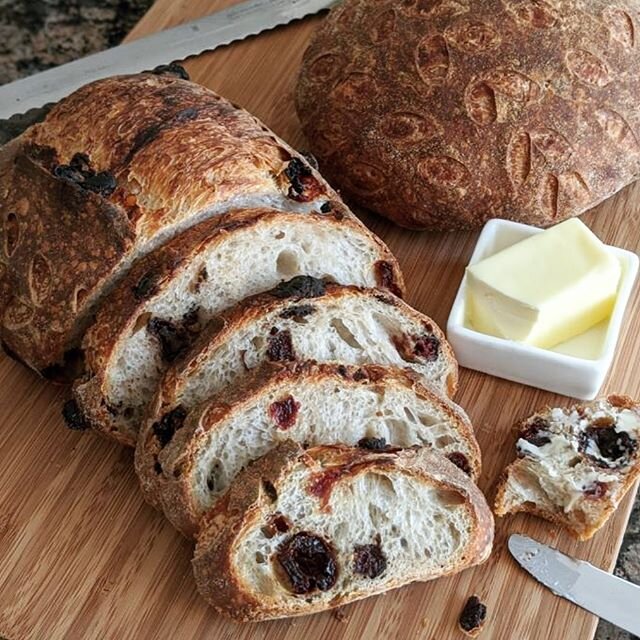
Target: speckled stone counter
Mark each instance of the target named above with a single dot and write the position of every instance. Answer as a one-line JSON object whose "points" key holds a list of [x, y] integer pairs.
{"points": [[39, 34]]}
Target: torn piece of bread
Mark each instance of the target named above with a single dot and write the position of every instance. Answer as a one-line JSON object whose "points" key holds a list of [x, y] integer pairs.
{"points": [[574, 465], [188, 458], [157, 311], [301, 532]]}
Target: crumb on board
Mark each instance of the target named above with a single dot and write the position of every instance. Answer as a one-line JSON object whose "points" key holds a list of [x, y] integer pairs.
{"points": [[340, 615], [472, 617]]}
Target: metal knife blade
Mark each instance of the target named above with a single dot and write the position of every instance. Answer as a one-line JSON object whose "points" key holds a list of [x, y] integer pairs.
{"points": [[212, 31], [597, 591]]}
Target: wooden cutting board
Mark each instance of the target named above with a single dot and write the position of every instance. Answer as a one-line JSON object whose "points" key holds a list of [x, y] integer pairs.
{"points": [[82, 556]]}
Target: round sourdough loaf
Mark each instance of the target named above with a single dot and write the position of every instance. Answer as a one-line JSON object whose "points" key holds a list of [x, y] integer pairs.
{"points": [[441, 114]]}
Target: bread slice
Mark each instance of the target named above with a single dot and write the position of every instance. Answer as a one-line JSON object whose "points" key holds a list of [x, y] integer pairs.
{"points": [[187, 459], [115, 170], [168, 296], [302, 532], [574, 465], [307, 319]]}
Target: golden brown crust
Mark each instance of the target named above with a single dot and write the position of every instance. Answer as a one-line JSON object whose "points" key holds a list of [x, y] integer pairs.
{"points": [[41, 217], [124, 308], [159, 144], [168, 487], [217, 577], [442, 115]]}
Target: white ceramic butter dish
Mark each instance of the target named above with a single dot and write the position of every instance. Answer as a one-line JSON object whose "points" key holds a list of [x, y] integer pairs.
{"points": [[575, 368]]}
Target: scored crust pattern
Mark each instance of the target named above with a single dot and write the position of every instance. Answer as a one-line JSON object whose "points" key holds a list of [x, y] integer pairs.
{"points": [[444, 113]]}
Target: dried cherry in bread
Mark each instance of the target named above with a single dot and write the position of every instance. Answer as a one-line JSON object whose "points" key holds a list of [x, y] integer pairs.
{"points": [[174, 340], [614, 447], [304, 186], [369, 560], [169, 424], [461, 461], [280, 347], [284, 412], [79, 172], [308, 562], [300, 287], [426, 347], [536, 432], [373, 444]]}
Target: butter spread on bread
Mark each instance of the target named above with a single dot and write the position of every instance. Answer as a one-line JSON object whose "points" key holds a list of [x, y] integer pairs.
{"points": [[574, 465]]}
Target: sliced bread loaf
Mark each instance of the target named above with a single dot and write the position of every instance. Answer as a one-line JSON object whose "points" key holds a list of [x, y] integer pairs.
{"points": [[308, 319], [574, 465], [301, 532], [113, 171], [188, 458], [154, 314]]}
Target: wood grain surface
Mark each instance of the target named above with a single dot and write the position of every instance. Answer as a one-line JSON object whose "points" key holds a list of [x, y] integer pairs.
{"points": [[81, 554]]}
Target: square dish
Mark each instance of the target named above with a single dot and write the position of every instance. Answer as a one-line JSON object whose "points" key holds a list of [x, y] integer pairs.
{"points": [[561, 369]]}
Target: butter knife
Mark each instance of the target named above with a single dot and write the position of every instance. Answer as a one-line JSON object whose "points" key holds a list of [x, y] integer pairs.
{"points": [[597, 591], [220, 28]]}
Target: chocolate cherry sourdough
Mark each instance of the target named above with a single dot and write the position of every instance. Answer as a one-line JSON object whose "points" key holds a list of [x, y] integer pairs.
{"points": [[574, 465], [115, 170], [304, 531], [187, 459], [441, 114], [153, 316]]}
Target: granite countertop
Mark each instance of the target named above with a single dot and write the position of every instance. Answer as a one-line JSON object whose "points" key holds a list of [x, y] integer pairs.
{"points": [[39, 34]]}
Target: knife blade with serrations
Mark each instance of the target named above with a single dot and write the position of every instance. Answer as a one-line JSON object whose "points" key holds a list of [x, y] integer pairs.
{"points": [[212, 31], [597, 591]]}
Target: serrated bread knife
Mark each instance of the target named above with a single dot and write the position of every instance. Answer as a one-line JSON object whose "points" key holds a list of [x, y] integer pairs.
{"points": [[597, 591], [215, 30]]}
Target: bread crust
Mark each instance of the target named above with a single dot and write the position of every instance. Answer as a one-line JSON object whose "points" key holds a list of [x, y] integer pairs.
{"points": [[158, 144], [443, 115], [216, 576], [598, 511], [171, 489], [122, 309]]}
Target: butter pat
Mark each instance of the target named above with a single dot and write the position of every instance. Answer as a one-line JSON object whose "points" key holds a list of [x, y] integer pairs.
{"points": [[546, 289]]}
